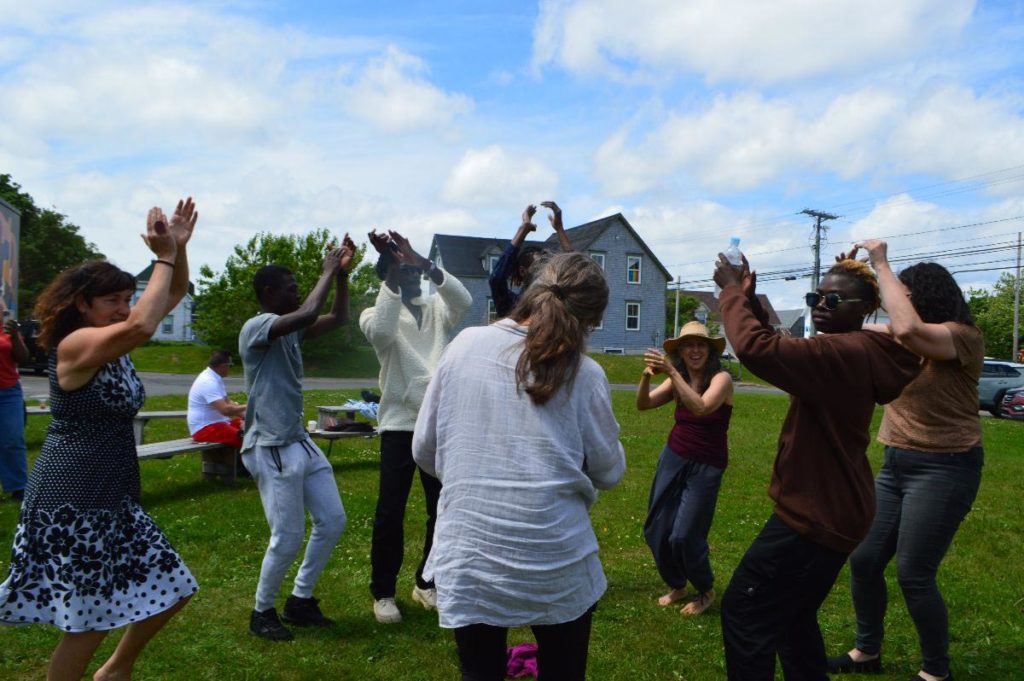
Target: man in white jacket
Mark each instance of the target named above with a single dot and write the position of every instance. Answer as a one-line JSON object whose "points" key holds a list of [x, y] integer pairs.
{"points": [[408, 333]]}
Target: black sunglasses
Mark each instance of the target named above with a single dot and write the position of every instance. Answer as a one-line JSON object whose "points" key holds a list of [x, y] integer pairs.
{"points": [[832, 300]]}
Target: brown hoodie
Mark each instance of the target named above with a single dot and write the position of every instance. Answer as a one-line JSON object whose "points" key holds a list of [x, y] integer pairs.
{"points": [[822, 482]]}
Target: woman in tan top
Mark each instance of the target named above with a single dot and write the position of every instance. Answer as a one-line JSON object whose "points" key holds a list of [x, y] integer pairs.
{"points": [[932, 468]]}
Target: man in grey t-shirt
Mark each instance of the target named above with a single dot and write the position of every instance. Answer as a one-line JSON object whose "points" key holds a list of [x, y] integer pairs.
{"points": [[291, 472]]}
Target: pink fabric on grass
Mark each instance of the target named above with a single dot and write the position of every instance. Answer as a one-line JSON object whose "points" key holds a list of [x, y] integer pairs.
{"points": [[522, 661]]}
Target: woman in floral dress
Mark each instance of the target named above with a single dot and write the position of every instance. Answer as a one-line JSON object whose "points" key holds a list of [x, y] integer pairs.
{"points": [[86, 557]]}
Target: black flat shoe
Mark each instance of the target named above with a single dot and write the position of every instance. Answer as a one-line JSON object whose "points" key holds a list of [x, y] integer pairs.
{"points": [[844, 664]]}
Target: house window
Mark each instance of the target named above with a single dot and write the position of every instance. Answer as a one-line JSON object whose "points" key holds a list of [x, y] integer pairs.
{"points": [[492, 311], [598, 258], [492, 262], [632, 269], [632, 316], [167, 326]]}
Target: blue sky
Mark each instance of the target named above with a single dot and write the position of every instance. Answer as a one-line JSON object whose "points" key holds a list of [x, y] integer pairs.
{"points": [[696, 120]]}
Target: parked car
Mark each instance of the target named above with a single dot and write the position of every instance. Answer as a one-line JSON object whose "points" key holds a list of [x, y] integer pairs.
{"points": [[1012, 406], [997, 378], [37, 362]]}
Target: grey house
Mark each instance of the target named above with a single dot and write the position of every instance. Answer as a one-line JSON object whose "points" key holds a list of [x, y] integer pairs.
{"points": [[635, 317], [176, 326]]}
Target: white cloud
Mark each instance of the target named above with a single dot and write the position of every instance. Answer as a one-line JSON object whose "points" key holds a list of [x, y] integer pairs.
{"points": [[491, 175], [746, 40], [392, 94], [746, 140]]}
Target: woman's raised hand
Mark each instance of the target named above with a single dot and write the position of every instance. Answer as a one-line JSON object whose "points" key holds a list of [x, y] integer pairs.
{"points": [[877, 250], [656, 361], [158, 236], [528, 214], [184, 221]]}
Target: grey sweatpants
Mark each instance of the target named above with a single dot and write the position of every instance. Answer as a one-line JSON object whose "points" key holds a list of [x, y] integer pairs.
{"points": [[293, 479]]}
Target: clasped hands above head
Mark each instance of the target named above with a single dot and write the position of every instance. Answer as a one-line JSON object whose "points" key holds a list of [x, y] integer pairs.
{"points": [[392, 243], [555, 218], [166, 237]]}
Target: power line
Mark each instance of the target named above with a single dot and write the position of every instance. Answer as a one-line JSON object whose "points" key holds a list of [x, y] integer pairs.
{"points": [[890, 236], [801, 270]]}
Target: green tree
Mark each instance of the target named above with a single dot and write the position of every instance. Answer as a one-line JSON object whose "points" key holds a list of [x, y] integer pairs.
{"points": [[48, 245], [687, 305], [993, 313], [225, 300]]}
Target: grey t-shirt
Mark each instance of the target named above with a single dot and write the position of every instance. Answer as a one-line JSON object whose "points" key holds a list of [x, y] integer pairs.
{"points": [[273, 381]]}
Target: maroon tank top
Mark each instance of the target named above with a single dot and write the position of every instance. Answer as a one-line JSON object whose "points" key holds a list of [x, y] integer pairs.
{"points": [[703, 439]]}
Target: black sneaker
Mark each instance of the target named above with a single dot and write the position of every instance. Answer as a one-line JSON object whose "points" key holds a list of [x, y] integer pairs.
{"points": [[304, 612], [266, 625]]}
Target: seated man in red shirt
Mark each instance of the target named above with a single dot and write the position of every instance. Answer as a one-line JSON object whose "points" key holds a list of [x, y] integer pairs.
{"points": [[212, 416]]}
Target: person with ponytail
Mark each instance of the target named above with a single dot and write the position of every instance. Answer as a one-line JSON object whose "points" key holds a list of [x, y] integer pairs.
{"points": [[517, 424]]}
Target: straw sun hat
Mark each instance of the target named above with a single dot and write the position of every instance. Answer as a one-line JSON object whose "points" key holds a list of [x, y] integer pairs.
{"points": [[694, 330]]}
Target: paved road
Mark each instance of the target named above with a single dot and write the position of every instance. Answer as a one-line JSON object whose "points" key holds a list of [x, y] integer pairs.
{"points": [[178, 384]]}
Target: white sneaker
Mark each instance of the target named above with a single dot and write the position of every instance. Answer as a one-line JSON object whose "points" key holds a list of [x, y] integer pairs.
{"points": [[386, 611], [425, 597]]}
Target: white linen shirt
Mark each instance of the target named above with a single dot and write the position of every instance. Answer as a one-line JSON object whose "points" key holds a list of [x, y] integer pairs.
{"points": [[513, 544], [206, 389], [409, 353]]}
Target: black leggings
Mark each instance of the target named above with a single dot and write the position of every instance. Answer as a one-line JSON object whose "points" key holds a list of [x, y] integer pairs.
{"points": [[561, 650]]}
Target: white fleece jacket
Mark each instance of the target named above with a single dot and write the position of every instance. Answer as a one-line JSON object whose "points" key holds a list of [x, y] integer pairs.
{"points": [[409, 354]]}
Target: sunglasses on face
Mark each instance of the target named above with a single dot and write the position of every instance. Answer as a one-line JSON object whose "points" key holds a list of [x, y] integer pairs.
{"points": [[832, 300]]}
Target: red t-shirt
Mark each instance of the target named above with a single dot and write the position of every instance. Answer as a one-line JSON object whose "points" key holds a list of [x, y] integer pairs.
{"points": [[8, 369]]}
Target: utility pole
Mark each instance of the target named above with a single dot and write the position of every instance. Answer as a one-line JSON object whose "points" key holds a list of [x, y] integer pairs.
{"points": [[679, 285], [1016, 307], [818, 216]]}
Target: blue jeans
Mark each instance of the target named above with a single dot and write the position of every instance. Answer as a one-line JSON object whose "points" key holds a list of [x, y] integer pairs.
{"points": [[13, 458], [679, 514], [922, 497]]}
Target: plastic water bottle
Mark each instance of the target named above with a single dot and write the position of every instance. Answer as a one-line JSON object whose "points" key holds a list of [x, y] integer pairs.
{"points": [[733, 255]]}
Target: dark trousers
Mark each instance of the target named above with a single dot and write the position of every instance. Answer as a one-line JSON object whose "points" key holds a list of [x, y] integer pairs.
{"points": [[679, 514], [561, 650], [771, 606], [388, 544], [921, 499]]}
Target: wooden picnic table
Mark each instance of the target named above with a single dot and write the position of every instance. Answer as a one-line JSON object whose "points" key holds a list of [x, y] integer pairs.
{"points": [[332, 435], [138, 422]]}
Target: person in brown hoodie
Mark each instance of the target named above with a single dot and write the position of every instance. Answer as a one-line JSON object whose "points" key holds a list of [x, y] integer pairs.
{"points": [[821, 479]]}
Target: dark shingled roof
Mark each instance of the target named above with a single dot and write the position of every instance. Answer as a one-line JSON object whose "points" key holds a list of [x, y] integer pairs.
{"points": [[145, 274], [463, 255], [711, 303]]}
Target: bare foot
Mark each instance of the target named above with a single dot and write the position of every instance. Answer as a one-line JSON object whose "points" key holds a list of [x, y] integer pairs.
{"points": [[699, 604], [104, 674], [674, 596], [930, 677], [860, 656]]}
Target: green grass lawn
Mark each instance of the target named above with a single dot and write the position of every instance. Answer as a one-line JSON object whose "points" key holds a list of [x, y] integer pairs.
{"points": [[222, 534], [358, 362], [191, 358]]}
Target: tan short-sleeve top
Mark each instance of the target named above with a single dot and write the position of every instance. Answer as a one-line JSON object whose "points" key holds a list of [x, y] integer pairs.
{"points": [[938, 411]]}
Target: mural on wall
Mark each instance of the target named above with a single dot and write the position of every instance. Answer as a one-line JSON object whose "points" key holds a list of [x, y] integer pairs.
{"points": [[10, 222]]}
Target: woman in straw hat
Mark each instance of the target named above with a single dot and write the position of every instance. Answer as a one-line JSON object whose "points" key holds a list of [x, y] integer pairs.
{"points": [[685, 487]]}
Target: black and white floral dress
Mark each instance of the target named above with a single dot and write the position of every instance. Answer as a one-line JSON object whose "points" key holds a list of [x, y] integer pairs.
{"points": [[86, 557]]}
